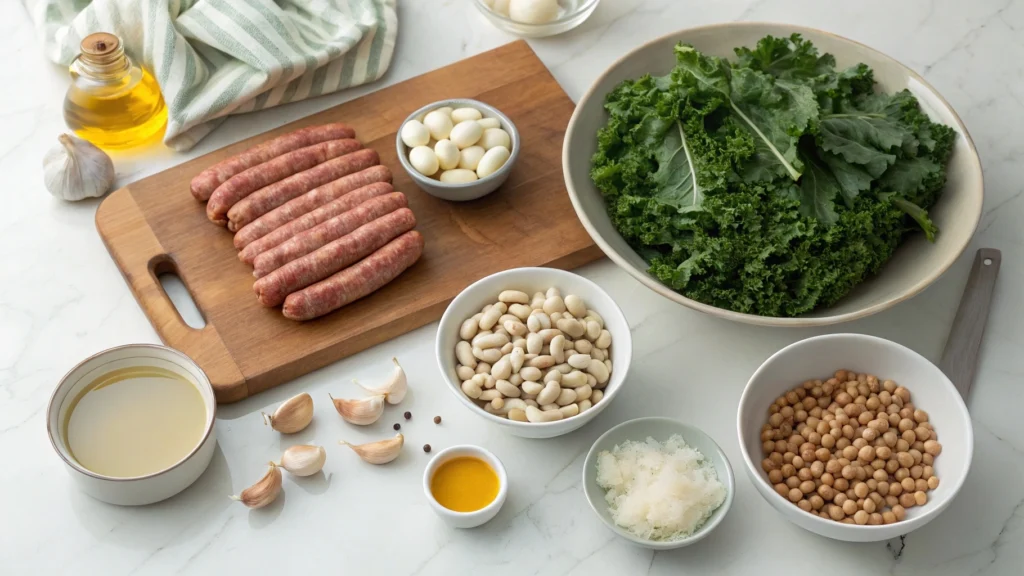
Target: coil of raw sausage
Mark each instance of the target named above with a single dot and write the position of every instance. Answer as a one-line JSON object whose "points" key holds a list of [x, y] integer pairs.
{"points": [[311, 219], [357, 281], [208, 180], [326, 232], [266, 199], [272, 289], [248, 181], [308, 202]]}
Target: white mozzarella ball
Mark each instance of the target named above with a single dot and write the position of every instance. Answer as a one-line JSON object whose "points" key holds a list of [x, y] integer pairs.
{"points": [[492, 161], [465, 134], [439, 124], [458, 176], [533, 11], [470, 157], [447, 154], [486, 123], [463, 114], [493, 137], [424, 160], [414, 134]]}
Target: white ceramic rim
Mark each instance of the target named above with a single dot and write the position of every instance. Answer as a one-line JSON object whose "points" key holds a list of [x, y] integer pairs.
{"points": [[798, 321], [775, 499], [466, 401], [211, 414], [705, 529], [485, 455], [586, 5], [513, 134]]}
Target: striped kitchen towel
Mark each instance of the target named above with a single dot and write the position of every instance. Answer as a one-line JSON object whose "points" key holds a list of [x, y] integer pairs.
{"points": [[219, 57]]}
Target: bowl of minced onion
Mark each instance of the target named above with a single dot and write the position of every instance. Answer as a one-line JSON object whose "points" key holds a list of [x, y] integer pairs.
{"points": [[658, 482]]}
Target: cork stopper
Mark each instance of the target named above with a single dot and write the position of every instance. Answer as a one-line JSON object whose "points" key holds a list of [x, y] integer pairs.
{"points": [[102, 48]]}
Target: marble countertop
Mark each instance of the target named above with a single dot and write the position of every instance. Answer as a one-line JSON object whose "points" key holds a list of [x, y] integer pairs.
{"points": [[61, 299]]}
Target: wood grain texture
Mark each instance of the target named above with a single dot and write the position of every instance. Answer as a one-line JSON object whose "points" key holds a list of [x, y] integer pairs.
{"points": [[960, 357], [155, 225]]}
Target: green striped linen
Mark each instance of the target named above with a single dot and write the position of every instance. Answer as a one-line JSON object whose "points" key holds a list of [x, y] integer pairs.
{"points": [[219, 57]]}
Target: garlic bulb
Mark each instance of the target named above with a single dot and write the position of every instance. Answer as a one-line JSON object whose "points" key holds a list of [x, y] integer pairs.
{"points": [[303, 460], [395, 388], [76, 169], [264, 491], [292, 416], [380, 452], [360, 412]]}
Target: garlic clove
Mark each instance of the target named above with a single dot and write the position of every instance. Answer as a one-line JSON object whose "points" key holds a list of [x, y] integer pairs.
{"points": [[380, 452], [303, 460], [77, 169], [264, 491], [292, 416], [395, 388], [360, 412]]}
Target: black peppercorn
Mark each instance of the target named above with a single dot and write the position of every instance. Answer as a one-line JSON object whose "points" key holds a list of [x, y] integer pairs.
{"points": [[426, 447], [408, 415], [437, 419], [397, 426]]}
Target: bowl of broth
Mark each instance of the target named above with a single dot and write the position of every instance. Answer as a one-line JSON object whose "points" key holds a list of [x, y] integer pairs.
{"points": [[134, 424]]}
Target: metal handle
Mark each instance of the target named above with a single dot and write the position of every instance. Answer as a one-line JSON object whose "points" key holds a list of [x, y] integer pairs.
{"points": [[960, 357]]}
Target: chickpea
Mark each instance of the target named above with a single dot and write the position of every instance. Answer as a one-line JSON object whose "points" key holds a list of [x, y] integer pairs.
{"points": [[907, 499], [828, 441], [919, 446], [817, 469], [808, 454], [817, 502], [792, 482], [840, 376], [892, 410], [775, 476], [883, 488], [840, 498], [870, 434], [791, 397], [773, 408], [853, 410], [861, 517], [916, 471], [788, 470], [892, 466], [873, 403], [797, 463], [888, 517], [866, 417], [795, 495], [927, 459], [902, 445], [908, 484], [905, 424], [841, 484], [869, 506], [843, 398], [806, 487], [804, 505], [836, 512], [877, 499], [822, 427], [921, 485], [826, 492], [902, 393], [816, 412], [823, 454], [862, 474], [933, 482], [842, 442], [804, 474], [816, 392], [780, 446], [891, 501], [860, 489], [893, 417], [827, 479], [800, 416], [922, 433], [866, 454], [787, 458], [890, 438], [916, 455], [847, 521], [877, 464], [787, 413], [833, 467], [859, 442], [768, 446], [932, 447], [883, 452], [850, 452], [768, 465], [895, 488], [809, 402], [850, 507], [849, 472], [902, 474], [782, 489], [880, 475]]}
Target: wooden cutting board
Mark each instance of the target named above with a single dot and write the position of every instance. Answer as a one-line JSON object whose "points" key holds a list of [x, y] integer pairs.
{"points": [[154, 226]]}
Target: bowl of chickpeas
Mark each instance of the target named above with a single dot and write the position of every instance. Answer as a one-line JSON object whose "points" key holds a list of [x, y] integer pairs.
{"points": [[854, 437]]}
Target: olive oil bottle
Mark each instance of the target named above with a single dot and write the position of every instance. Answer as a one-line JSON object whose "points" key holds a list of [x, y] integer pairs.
{"points": [[112, 102]]}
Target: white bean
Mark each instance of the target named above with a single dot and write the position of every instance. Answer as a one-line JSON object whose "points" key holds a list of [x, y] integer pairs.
{"points": [[506, 317], [517, 415], [592, 382], [574, 379], [547, 335], [584, 405], [604, 340], [534, 342], [502, 369], [583, 346], [496, 340], [557, 348], [599, 370], [513, 297], [464, 352], [579, 361], [535, 415], [519, 343], [533, 374], [542, 362], [552, 375], [591, 315], [471, 388], [533, 324], [507, 348], [593, 329], [596, 396], [574, 304], [470, 327], [515, 327], [549, 394], [507, 389], [488, 395], [483, 368], [565, 397], [516, 359], [555, 317], [608, 363], [569, 410], [532, 388], [490, 317], [598, 354], [546, 407], [520, 311], [571, 326], [563, 368], [584, 392], [491, 355], [489, 381], [531, 402], [537, 301], [554, 304], [509, 405], [515, 379], [498, 403], [464, 372], [552, 292]]}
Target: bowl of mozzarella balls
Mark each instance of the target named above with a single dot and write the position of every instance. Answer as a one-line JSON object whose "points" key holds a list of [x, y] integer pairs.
{"points": [[458, 149], [538, 352], [854, 437], [536, 18]]}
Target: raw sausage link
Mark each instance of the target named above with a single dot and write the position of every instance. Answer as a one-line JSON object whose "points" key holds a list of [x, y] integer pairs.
{"points": [[272, 289], [244, 183], [310, 219], [308, 202], [266, 199], [208, 180], [326, 232], [358, 281]]}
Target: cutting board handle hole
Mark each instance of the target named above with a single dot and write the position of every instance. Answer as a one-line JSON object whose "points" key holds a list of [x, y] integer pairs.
{"points": [[166, 272]]}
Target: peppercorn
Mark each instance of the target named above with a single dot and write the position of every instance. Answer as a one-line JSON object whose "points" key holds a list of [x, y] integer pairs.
{"points": [[426, 447], [408, 415], [397, 426], [437, 419]]}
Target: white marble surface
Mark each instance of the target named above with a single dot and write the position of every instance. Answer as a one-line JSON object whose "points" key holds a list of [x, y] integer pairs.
{"points": [[61, 299]]}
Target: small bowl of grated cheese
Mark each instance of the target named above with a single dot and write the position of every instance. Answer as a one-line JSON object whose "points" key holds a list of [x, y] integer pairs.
{"points": [[658, 482]]}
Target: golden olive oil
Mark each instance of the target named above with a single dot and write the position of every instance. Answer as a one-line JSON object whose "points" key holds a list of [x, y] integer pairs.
{"points": [[112, 102], [135, 421], [464, 484]]}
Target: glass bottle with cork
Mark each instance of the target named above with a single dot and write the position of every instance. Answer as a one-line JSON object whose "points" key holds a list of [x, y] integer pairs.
{"points": [[112, 102]]}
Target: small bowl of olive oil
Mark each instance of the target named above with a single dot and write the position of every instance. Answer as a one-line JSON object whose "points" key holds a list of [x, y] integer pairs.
{"points": [[134, 424], [465, 485]]}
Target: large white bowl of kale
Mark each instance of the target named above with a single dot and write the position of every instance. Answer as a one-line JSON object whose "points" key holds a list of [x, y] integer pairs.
{"points": [[772, 174]]}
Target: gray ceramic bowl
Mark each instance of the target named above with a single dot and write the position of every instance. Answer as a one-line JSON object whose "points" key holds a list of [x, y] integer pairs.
{"points": [[469, 190], [660, 429], [916, 263]]}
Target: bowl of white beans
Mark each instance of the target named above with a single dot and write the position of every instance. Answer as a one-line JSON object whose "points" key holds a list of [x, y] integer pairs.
{"points": [[459, 149], [538, 352]]}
